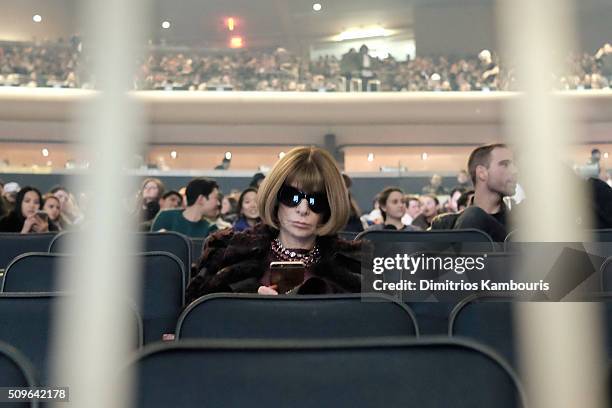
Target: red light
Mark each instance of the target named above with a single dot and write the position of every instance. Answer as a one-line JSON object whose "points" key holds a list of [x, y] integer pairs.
{"points": [[230, 23], [236, 42]]}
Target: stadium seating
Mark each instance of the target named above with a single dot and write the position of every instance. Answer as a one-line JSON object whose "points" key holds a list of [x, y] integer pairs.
{"points": [[433, 314], [488, 319], [27, 323], [512, 243], [372, 373], [15, 372], [453, 240], [161, 300], [171, 242], [13, 245], [290, 317]]}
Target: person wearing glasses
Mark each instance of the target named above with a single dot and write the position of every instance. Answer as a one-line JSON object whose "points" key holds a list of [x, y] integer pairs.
{"points": [[303, 203]]}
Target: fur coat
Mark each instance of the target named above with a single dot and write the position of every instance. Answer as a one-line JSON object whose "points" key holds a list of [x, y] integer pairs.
{"points": [[236, 261]]}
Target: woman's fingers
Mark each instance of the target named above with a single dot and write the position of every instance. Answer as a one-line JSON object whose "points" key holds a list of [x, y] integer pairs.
{"points": [[265, 290]]}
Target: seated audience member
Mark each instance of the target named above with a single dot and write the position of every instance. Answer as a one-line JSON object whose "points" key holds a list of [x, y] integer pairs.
{"points": [[392, 208], [148, 200], [435, 186], [229, 209], [202, 201], [26, 217], [600, 203], [463, 180], [447, 220], [215, 218], [451, 204], [494, 176], [51, 205], [9, 193], [374, 216], [248, 214], [171, 200], [354, 224], [465, 200], [70, 210], [3, 204], [413, 209], [303, 204], [429, 210]]}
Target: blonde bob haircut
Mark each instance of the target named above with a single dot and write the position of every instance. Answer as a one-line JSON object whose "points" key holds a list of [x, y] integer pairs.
{"points": [[311, 170]]}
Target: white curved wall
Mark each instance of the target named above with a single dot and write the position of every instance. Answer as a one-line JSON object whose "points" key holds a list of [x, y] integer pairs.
{"points": [[247, 118]]}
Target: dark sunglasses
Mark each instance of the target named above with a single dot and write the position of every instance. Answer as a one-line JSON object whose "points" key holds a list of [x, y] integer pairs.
{"points": [[292, 197]]}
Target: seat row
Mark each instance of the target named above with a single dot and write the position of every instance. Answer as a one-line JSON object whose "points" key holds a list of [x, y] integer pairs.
{"points": [[361, 373], [27, 320], [284, 351], [188, 250]]}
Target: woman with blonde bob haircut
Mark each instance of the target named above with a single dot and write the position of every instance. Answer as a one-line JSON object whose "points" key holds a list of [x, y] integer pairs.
{"points": [[303, 204], [311, 169]]}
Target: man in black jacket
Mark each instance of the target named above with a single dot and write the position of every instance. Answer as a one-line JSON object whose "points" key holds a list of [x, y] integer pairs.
{"points": [[493, 173]]}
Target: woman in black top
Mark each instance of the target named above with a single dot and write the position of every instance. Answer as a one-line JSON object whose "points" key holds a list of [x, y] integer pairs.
{"points": [[26, 216]]}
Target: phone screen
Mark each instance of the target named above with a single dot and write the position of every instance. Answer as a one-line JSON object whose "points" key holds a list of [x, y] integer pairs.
{"points": [[42, 215], [286, 275]]}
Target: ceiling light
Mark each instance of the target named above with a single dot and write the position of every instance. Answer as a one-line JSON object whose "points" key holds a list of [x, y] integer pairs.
{"points": [[228, 155], [37, 18], [166, 24], [45, 152], [606, 155], [424, 156], [357, 33], [281, 155], [316, 7], [173, 154], [370, 157]]}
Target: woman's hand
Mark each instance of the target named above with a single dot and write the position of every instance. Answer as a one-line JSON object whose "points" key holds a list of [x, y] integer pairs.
{"points": [[41, 225], [267, 290], [28, 224]]}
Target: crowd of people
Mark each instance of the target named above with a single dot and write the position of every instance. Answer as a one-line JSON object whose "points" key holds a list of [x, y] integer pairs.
{"points": [[296, 213], [63, 64]]}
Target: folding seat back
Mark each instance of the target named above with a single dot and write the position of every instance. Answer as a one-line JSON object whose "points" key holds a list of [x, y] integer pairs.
{"points": [[162, 282], [456, 241], [487, 319], [171, 242], [27, 322], [12, 245], [295, 317], [363, 373], [15, 372]]}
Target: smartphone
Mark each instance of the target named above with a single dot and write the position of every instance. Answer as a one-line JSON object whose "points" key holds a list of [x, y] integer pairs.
{"points": [[286, 275], [42, 215]]}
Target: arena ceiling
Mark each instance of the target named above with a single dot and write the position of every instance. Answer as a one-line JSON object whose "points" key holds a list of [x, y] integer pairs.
{"points": [[277, 21]]}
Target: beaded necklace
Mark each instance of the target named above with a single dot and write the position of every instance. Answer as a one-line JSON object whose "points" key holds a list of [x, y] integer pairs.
{"points": [[309, 258]]}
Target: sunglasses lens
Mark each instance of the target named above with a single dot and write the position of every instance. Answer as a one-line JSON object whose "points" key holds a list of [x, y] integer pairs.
{"points": [[292, 197], [318, 203], [289, 196]]}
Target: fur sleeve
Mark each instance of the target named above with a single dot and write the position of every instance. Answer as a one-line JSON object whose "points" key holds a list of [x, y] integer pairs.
{"points": [[210, 263]]}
